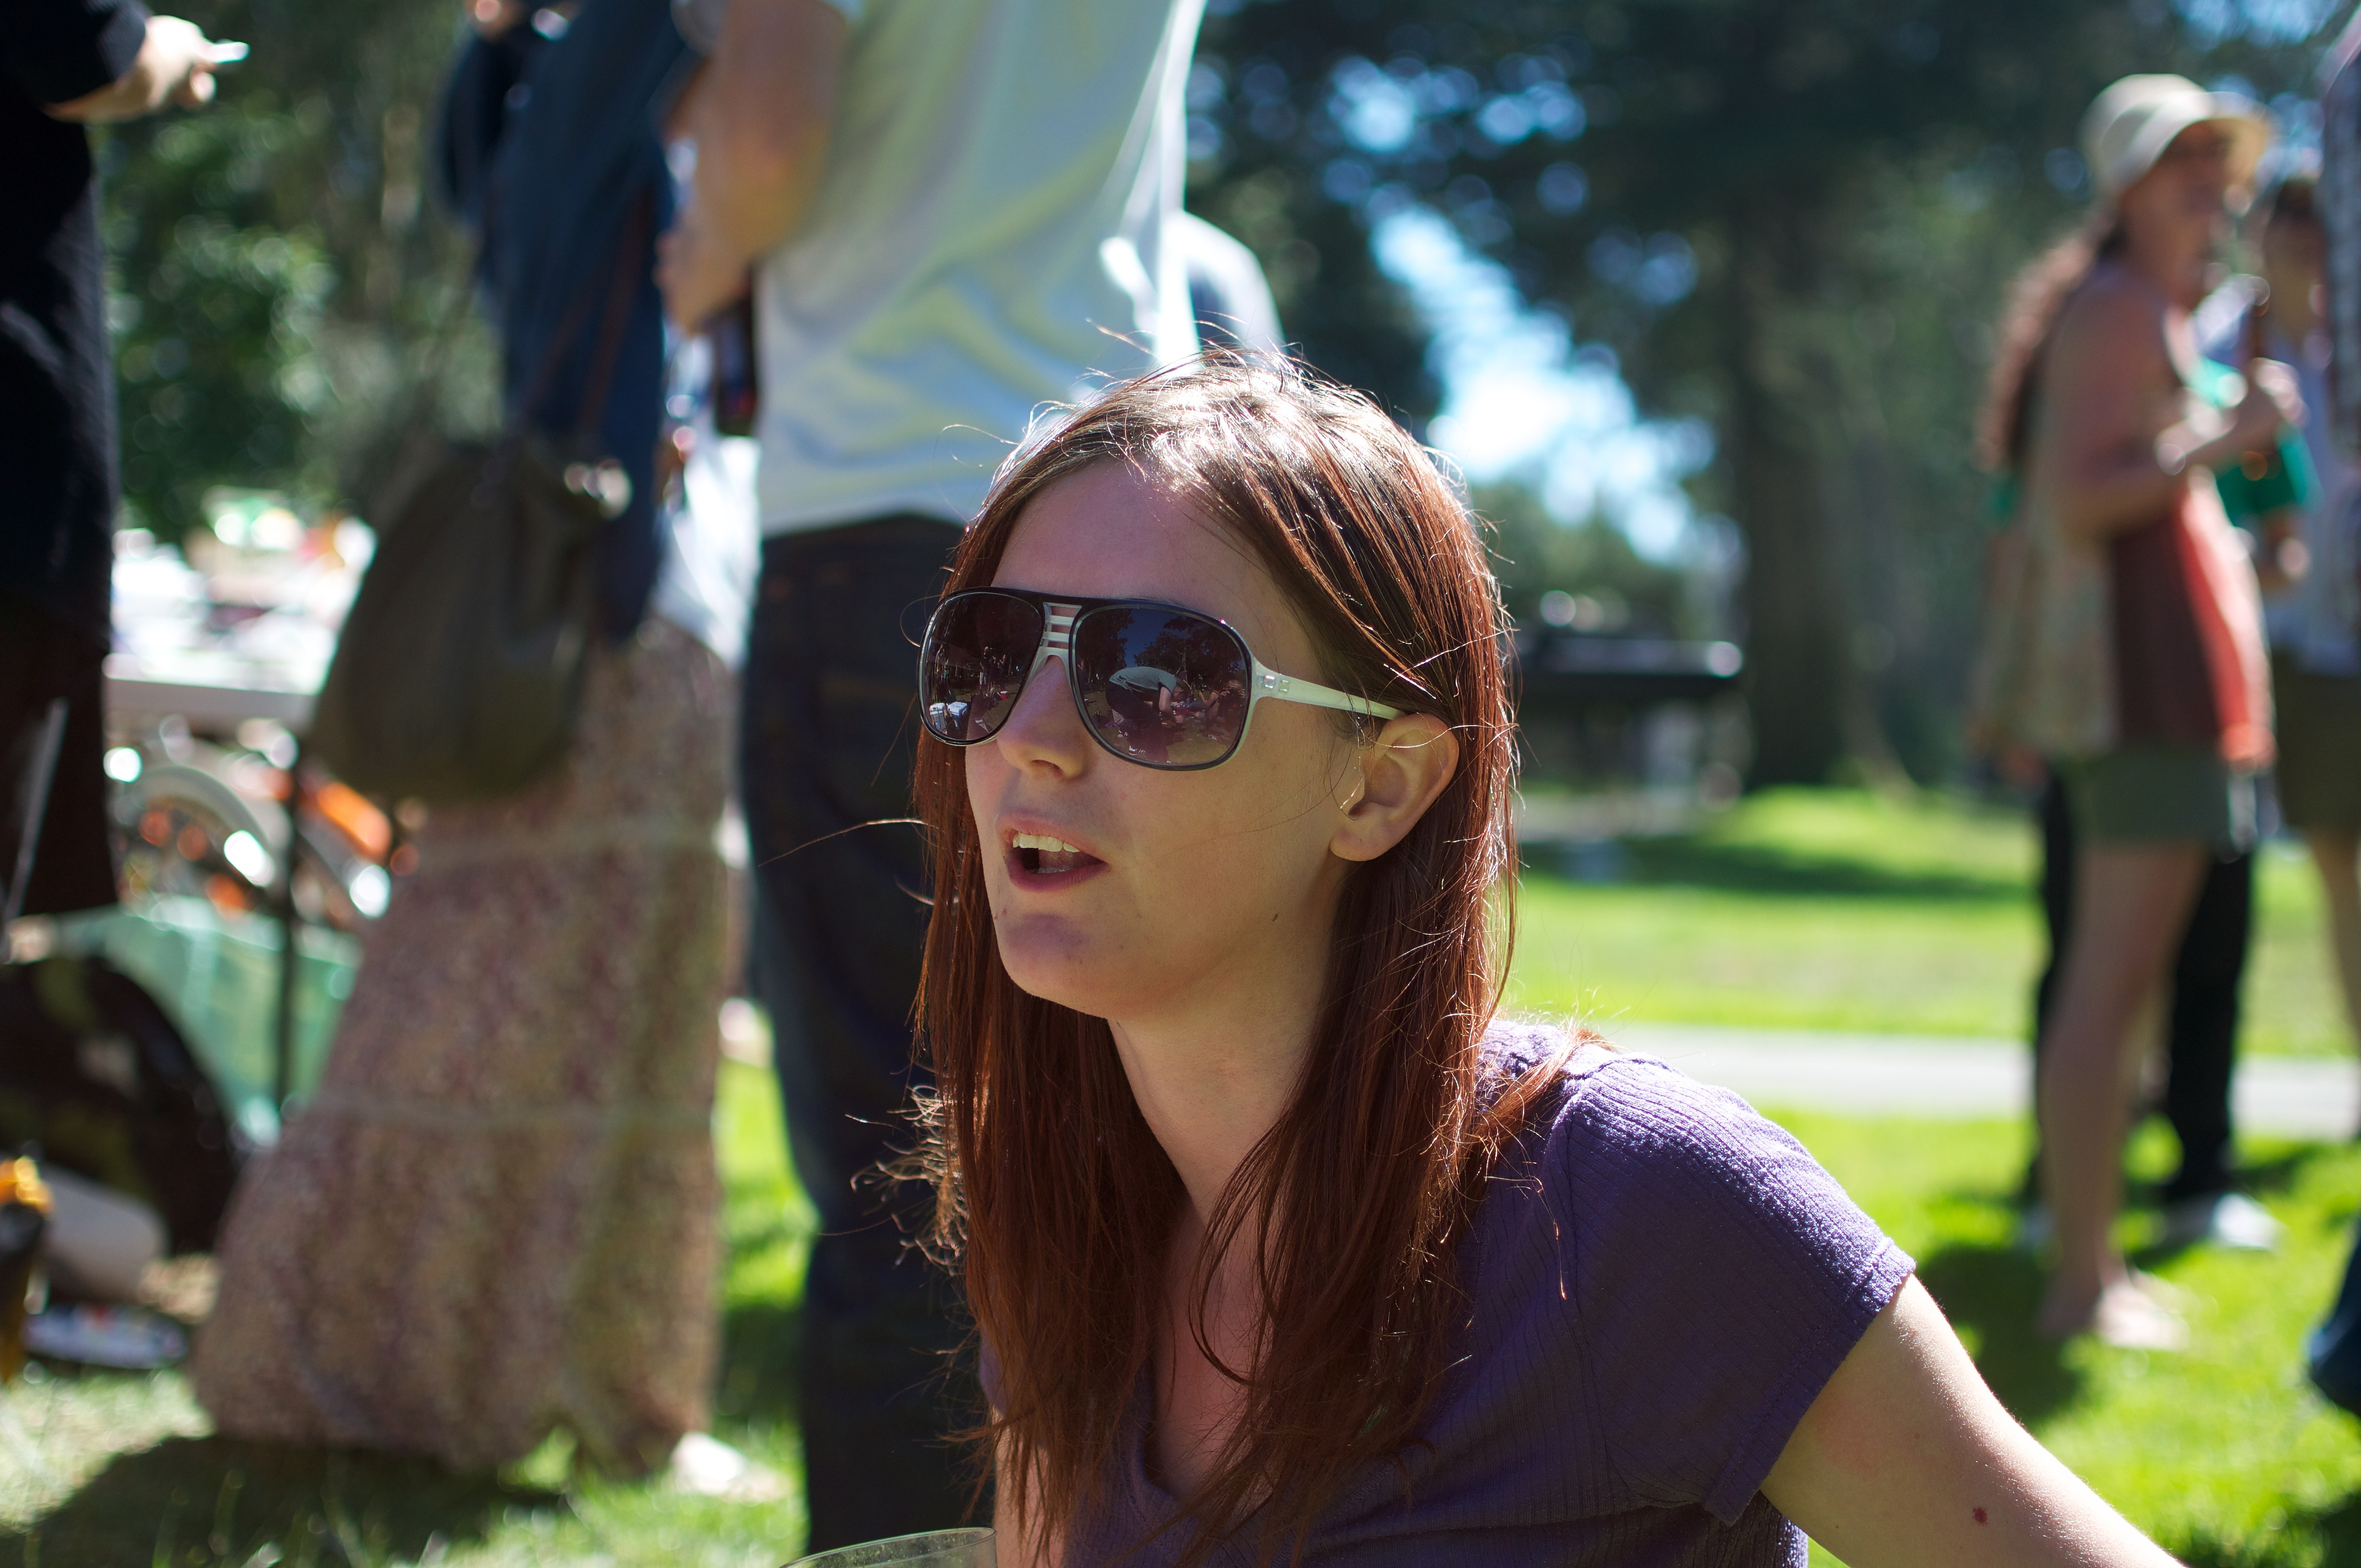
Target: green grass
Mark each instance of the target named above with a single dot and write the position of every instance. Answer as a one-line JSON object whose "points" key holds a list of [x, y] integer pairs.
{"points": [[108, 1471], [2223, 1453], [1836, 909], [1821, 909]]}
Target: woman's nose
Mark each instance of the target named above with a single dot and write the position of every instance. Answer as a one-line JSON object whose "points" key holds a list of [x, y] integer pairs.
{"points": [[1044, 729]]}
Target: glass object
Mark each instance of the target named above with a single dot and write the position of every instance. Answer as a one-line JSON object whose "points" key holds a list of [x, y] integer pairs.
{"points": [[936, 1549]]}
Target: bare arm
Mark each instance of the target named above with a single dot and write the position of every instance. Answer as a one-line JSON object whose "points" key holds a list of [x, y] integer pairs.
{"points": [[761, 117], [2117, 447], [1907, 1460], [175, 66]]}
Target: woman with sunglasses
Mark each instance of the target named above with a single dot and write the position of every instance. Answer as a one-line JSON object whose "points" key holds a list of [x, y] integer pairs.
{"points": [[1277, 1242]]}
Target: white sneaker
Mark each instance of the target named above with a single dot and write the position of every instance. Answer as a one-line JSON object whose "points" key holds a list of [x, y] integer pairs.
{"points": [[2229, 1219], [2129, 1317], [707, 1467]]}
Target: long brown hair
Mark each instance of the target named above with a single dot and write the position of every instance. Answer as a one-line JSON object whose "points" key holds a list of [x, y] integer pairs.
{"points": [[1051, 1191], [2036, 300]]}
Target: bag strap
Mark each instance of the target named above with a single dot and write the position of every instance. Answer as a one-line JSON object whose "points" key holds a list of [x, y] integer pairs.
{"points": [[447, 322], [628, 248], [40, 775]]}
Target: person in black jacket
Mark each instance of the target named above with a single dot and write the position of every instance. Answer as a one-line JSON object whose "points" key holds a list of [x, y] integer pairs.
{"points": [[64, 63]]}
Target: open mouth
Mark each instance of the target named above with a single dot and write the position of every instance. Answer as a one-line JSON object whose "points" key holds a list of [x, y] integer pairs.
{"points": [[1047, 856]]}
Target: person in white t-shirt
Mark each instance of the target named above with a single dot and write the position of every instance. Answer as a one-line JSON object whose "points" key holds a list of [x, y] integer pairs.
{"points": [[1227, 291], [954, 213]]}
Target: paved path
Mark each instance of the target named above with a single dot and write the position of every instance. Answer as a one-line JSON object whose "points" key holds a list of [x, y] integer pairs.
{"points": [[1955, 1076]]}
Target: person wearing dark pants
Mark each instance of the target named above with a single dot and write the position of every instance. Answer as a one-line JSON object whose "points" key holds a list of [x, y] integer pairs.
{"points": [[2201, 1035], [63, 65], [826, 751], [956, 213]]}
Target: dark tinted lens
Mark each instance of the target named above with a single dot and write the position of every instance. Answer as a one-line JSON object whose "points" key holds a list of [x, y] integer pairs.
{"points": [[1162, 687], [978, 650]]}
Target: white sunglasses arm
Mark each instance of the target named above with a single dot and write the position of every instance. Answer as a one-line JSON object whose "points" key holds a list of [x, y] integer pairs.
{"points": [[1287, 688]]}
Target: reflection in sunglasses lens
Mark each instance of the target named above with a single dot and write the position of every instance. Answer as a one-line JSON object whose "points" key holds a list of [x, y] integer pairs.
{"points": [[978, 653], [1162, 687]]}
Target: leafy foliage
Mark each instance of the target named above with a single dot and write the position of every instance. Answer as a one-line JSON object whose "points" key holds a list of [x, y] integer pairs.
{"points": [[1534, 555], [279, 278], [1792, 218]]}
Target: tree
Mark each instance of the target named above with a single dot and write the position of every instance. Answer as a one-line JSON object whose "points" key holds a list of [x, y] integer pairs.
{"points": [[1790, 217], [278, 272], [1592, 561]]}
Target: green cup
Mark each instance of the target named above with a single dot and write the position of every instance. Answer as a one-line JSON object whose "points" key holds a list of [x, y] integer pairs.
{"points": [[936, 1549]]}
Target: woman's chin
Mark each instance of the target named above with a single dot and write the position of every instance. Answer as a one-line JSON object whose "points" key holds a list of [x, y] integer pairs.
{"points": [[1050, 961]]}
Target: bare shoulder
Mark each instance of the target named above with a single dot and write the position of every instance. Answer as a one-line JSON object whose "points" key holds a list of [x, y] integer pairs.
{"points": [[2113, 318]]}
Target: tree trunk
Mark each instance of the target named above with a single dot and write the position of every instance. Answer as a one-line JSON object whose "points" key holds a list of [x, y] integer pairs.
{"points": [[1800, 676]]}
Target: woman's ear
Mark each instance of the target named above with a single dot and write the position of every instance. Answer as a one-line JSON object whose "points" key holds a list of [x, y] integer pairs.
{"points": [[1395, 778]]}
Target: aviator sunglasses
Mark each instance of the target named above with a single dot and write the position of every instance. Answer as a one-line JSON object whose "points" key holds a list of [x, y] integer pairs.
{"points": [[1156, 685]]}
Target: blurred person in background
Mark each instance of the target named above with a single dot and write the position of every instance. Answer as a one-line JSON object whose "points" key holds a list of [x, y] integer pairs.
{"points": [[2309, 554], [2333, 1351], [66, 64], [63, 65], [956, 210], [1228, 293], [500, 1212], [2285, 496], [2136, 628], [2199, 1012]]}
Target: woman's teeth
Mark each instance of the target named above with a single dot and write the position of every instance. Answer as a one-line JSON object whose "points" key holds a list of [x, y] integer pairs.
{"points": [[1040, 853]]}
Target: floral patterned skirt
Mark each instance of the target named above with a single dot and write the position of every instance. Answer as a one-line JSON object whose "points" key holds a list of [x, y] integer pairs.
{"points": [[500, 1214]]}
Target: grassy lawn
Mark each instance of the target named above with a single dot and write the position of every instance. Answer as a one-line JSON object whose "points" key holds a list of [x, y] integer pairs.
{"points": [[1839, 910], [2223, 1453], [1821, 910], [110, 1471]]}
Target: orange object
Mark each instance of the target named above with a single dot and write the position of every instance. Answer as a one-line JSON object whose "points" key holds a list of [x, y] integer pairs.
{"points": [[358, 820], [229, 897], [20, 1182], [24, 1215]]}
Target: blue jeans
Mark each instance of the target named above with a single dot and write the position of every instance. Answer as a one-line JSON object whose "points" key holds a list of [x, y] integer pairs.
{"points": [[2332, 1353], [826, 748]]}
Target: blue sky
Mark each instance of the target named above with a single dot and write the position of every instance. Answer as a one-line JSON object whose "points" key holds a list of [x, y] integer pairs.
{"points": [[1522, 398], [1522, 401]]}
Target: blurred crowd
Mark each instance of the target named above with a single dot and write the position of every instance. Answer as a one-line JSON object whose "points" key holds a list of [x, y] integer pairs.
{"points": [[862, 242], [2170, 649]]}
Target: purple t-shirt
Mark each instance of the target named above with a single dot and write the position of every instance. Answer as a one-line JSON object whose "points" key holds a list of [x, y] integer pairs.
{"points": [[1660, 1284]]}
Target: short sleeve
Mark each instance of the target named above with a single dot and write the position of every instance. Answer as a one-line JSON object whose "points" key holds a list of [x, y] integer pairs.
{"points": [[59, 50], [1719, 1277]]}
